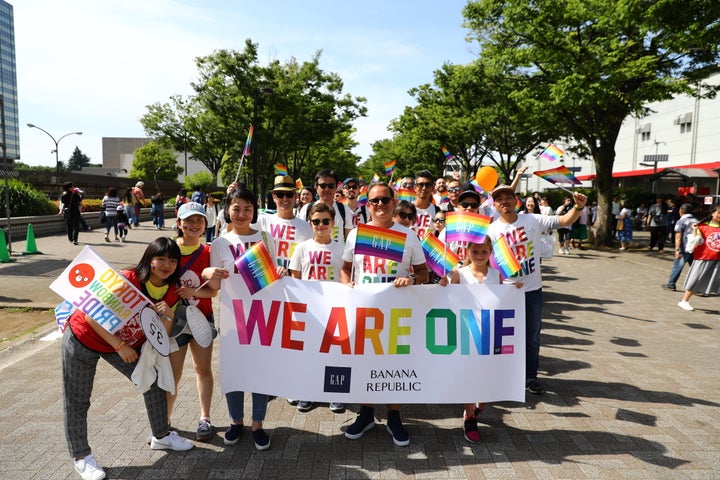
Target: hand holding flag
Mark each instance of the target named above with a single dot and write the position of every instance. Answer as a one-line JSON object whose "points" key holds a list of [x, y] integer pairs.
{"points": [[256, 268]]}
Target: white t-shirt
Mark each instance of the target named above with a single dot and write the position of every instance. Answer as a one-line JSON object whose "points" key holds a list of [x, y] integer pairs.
{"points": [[230, 246], [339, 228], [287, 233], [423, 222], [318, 261], [371, 269], [523, 236], [467, 278]]}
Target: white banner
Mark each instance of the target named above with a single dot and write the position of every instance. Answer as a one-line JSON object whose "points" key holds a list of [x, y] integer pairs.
{"points": [[90, 284], [324, 341]]}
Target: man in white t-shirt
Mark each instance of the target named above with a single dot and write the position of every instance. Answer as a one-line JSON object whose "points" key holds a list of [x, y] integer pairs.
{"points": [[351, 189], [424, 187], [359, 269], [326, 184], [522, 233], [283, 226]]}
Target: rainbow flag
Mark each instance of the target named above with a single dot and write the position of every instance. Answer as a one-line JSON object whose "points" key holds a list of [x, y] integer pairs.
{"points": [[439, 259], [246, 151], [502, 258], [379, 242], [406, 194], [389, 167], [280, 169], [376, 178], [552, 153], [518, 204], [256, 268], [443, 198], [362, 198], [466, 226], [298, 184], [448, 155], [559, 174], [476, 186]]}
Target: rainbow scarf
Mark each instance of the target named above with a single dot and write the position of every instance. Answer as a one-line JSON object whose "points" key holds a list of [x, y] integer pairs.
{"points": [[256, 268], [439, 259], [466, 226], [379, 242]]}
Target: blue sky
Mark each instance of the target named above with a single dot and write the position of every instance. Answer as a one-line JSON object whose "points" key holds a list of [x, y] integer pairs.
{"points": [[94, 65]]}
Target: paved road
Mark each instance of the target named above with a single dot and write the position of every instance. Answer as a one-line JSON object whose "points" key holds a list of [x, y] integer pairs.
{"points": [[632, 394]]}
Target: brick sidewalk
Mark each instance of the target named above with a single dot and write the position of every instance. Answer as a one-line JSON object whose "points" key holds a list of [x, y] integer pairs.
{"points": [[631, 382]]}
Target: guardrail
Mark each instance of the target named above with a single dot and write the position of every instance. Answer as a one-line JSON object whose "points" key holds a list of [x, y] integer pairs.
{"points": [[47, 225]]}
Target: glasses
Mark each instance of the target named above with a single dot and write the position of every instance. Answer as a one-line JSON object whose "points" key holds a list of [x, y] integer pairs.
{"points": [[424, 185], [454, 189], [408, 185], [438, 220], [351, 187], [316, 221], [326, 185], [284, 194], [469, 205], [406, 215], [379, 200]]}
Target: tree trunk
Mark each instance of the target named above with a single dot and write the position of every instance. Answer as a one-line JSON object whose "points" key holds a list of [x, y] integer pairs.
{"points": [[604, 157]]}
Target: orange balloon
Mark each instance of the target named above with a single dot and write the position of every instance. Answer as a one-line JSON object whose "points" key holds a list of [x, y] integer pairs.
{"points": [[487, 178]]}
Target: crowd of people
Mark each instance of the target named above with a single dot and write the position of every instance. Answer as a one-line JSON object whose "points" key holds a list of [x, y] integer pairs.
{"points": [[319, 224]]}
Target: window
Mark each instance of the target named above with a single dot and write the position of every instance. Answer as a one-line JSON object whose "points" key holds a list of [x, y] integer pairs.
{"points": [[685, 122]]}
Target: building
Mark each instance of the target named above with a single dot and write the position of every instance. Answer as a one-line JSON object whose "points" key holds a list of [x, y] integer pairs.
{"points": [[8, 80]]}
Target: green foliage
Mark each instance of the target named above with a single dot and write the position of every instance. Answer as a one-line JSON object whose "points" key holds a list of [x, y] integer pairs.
{"points": [[156, 162], [78, 160], [202, 180], [25, 201]]}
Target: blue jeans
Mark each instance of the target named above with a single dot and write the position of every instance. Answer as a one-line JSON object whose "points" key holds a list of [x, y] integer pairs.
{"points": [[678, 265], [533, 324], [236, 406]]}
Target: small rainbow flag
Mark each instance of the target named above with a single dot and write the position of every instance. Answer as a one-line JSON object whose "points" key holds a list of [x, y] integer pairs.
{"points": [[379, 242], [246, 151], [443, 198], [298, 184], [439, 259], [256, 268], [362, 198], [476, 186], [406, 194], [552, 153], [389, 167], [376, 178], [559, 174], [448, 155], [502, 258], [518, 204], [466, 226], [280, 169]]}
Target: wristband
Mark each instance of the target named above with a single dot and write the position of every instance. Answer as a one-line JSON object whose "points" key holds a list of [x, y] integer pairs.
{"points": [[120, 345], [578, 209]]}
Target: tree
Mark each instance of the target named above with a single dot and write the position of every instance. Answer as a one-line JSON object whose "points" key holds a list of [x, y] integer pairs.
{"points": [[580, 67], [78, 160], [154, 161]]}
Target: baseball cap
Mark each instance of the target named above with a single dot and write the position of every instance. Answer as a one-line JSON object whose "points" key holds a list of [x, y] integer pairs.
{"points": [[350, 179], [189, 209], [500, 189], [469, 192], [284, 183]]}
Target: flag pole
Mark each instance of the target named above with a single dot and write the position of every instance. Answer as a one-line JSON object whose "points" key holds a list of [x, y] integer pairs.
{"points": [[543, 151], [242, 159]]}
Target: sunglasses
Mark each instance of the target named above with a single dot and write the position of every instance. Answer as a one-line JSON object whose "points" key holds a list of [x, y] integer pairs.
{"points": [[379, 200], [351, 187], [284, 194], [326, 185], [454, 189], [469, 205], [424, 185], [438, 220], [406, 216], [317, 221], [408, 185]]}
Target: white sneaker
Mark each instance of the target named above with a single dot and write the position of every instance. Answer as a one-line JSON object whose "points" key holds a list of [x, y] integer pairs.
{"points": [[89, 469], [685, 305], [171, 441]]}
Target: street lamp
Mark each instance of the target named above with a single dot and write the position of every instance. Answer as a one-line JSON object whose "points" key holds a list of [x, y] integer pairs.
{"points": [[255, 160], [57, 155]]}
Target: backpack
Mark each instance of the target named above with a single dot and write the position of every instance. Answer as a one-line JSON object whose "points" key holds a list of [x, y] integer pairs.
{"points": [[340, 207]]}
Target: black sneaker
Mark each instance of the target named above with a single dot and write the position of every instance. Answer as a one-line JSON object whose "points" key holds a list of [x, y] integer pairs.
{"points": [[535, 387], [364, 422], [472, 434], [232, 434], [395, 427], [668, 286], [262, 441]]}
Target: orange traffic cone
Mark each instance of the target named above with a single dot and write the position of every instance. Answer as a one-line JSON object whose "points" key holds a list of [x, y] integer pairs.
{"points": [[4, 253], [30, 247]]}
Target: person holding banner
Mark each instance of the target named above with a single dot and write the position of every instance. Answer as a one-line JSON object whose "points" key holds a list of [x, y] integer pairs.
{"points": [[241, 210], [319, 258], [85, 342], [191, 225], [522, 233], [363, 268]]}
